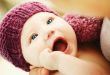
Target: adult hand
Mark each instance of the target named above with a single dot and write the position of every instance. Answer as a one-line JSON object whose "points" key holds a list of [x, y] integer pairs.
{"points": [[39, 71]]}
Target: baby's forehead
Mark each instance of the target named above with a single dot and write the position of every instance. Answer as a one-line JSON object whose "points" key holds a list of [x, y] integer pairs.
{"points": [[39, 18], [41, 15]]}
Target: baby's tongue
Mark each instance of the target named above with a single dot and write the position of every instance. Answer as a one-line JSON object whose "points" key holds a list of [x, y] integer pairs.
{"points": [[60, 46]]}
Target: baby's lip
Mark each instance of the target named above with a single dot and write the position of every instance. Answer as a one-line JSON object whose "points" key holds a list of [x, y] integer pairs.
{"points": [[60, 44]]}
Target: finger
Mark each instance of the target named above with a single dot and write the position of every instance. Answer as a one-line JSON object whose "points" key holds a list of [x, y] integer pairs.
{"points": [[50, 60], [35, 71], [39, 71], [44, 72], [45, 58]]}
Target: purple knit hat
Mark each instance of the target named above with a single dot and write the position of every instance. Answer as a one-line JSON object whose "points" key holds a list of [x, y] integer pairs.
{"points": [[11, 28], [87, 28]]}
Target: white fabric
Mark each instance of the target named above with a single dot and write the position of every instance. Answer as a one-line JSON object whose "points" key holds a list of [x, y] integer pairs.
{"points": [[7, 68], [105, 38]]}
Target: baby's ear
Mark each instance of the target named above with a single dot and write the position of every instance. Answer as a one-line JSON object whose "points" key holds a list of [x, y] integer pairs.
{"points": [[105, 38]]}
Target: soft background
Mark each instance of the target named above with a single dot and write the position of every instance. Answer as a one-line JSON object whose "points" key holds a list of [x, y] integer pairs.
{"points": [[5, 5]]}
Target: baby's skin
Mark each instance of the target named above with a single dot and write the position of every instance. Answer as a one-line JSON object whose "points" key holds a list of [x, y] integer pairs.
{"points": [[49, 43], [88, 53]]}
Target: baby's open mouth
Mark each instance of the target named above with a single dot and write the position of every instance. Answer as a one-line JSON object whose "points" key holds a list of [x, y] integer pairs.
{"points": [[60, 45]]}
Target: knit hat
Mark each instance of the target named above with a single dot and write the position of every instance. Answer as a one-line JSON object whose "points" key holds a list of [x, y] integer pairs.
{"points": [[87, 28], [11, 28]]}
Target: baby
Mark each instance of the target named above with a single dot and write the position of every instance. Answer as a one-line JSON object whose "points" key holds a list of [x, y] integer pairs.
{"points": [[34, 35]]}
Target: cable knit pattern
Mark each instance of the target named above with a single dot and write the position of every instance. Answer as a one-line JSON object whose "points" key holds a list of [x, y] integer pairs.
{"points": [[11, 28], [86, 28]]}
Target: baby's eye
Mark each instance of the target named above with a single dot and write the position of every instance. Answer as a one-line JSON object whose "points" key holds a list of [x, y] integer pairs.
{"points": [[49, 20], [34, 36]]}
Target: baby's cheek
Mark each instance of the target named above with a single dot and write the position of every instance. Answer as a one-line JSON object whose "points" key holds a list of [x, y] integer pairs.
{"points": [[31, 56]]}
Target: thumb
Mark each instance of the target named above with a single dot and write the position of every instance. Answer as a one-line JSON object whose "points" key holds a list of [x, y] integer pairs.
{"points": [[44, 72]]}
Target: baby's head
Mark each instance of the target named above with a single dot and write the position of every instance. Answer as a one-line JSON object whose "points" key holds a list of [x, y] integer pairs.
{"points": [[30, 28]]}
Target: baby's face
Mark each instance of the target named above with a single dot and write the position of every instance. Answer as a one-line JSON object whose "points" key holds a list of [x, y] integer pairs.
{"points": [[46, 30]]}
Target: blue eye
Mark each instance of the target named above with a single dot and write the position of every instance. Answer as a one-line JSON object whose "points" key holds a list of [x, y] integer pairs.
{"points": [[34, 36], [49, 20]]}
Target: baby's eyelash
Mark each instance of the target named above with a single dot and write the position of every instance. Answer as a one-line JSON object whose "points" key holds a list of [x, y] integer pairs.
{"points": [[33, 36], [50, 20]]}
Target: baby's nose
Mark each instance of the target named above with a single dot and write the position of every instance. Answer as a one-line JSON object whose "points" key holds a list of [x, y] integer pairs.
{"points": [[49, 34]]}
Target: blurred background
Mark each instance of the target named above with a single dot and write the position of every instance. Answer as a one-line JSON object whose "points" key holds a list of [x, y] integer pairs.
{"points": [[85, 7], [5, 5]]}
